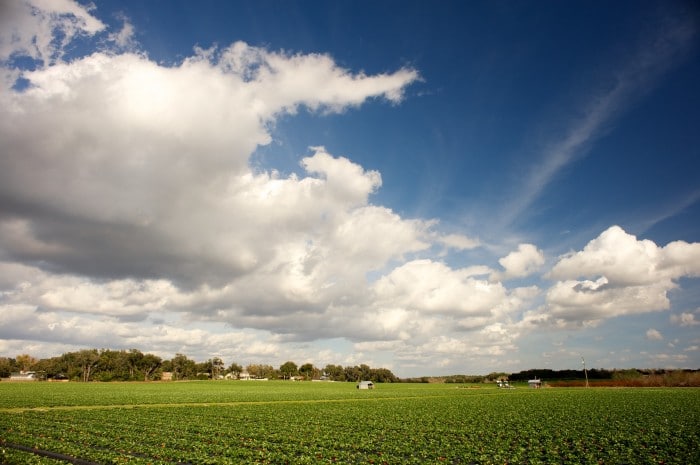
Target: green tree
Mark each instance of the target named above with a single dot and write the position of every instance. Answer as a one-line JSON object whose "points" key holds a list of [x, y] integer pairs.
{"points": [[288, 369], [167, 365], [383, 375], [148, 364], [134, 361], [7, 366], [261, 371], [108, 367], [235, 370], [496, 375], [334, 372], [352, 373], [69, 364], [204, 370], [87, 359], [307, 370], [183, 367], [366, 372]]}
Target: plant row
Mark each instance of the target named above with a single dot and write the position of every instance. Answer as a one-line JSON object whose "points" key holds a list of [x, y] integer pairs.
{"points": [[593, 426]]}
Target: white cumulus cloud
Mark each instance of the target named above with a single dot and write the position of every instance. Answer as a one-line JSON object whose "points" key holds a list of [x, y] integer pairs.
{"points": [[429, 286], [520, 263], [626, 261], [617, 274]]}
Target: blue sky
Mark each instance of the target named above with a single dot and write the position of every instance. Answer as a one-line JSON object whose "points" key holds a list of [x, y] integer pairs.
{"points": [[436, 188]]}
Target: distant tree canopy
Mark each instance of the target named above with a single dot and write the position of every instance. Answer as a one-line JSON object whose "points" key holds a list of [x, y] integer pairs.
{"points": [[100, 365], [262, 371], [560, 374], [288, 369], [25, 362], [133, 365], [234, 369], [309, 371], [359, 373]]}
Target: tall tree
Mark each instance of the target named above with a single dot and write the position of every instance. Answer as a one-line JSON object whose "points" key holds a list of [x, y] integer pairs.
{"points": [[70, 365], [204, 370], [87, 359], [7, 366], [366, 372], [288, 369], [25, 362], [217, 367], [134, 359], [307, 370], [183, 367], [383, 375], [235, 369], [261, 371], [113, 366], [148, 365], [334, 372], [352, 373]]}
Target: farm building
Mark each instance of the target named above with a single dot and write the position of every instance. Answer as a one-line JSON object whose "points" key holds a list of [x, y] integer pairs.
{"points": [[534, 383], [365, 385], [24, 376]]}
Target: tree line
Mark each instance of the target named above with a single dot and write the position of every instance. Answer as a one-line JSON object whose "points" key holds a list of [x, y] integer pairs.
{"points": [[632, 377], [593, 374], [133, 365]]}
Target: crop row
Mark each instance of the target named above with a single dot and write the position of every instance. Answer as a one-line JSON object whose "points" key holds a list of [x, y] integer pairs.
{"points": [[575, 426]]}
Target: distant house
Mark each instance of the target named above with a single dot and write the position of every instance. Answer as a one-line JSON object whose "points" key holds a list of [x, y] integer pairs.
{"points": [[244, 375], [166, 376], [24, 376], [365, 385], [534, 383]]}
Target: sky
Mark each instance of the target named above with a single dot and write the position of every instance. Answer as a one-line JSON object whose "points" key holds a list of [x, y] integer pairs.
{"points": [[431, 187]]}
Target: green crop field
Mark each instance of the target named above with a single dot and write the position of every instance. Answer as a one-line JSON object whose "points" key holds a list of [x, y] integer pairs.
{"points": [[284, 422]]}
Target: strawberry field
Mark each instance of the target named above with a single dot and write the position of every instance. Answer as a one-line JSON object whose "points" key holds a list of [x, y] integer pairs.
{"points": [[284, 422]]}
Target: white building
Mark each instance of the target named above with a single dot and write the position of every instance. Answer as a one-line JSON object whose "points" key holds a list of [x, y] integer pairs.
{"points": [[24, 376], [534, 383]]}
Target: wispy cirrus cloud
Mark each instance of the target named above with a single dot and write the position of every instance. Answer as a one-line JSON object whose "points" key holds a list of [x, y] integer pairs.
{"points": [[656, 53], [678, 206]]}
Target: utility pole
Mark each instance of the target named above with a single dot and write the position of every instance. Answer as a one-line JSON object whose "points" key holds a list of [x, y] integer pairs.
{"points": [[585, 372]]}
